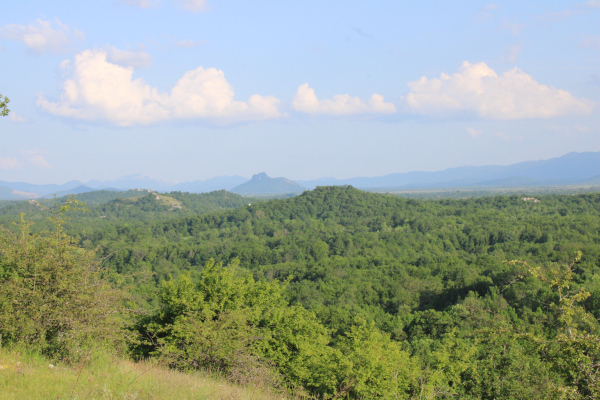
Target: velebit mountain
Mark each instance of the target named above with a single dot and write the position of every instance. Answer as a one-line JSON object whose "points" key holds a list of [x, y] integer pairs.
{"points": [[262, 184]]}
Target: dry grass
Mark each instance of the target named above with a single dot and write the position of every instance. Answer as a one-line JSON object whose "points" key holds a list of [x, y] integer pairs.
{"points": [[29, 376]]}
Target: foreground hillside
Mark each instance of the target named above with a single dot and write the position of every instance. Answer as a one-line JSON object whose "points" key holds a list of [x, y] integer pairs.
{"points": [[335, 293], [27, 376]]}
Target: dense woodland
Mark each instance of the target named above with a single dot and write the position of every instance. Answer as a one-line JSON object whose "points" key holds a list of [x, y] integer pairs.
{"points": [[335, 293]]}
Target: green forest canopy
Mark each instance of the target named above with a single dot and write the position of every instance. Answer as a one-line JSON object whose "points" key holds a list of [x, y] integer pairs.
{"points": [[426, 281]]}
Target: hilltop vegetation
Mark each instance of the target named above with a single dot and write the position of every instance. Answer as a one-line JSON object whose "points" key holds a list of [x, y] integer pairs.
{"points": [[133, 207], [351, 250], [339, 292]]}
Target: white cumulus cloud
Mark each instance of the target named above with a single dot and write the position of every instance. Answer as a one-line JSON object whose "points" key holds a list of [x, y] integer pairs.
{"points": [[99, 90], [479, 90], [305, 100], [43, 36]]}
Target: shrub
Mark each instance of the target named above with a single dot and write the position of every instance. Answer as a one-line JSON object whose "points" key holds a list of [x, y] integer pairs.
{"points": [[231, 323], [52, 294]]}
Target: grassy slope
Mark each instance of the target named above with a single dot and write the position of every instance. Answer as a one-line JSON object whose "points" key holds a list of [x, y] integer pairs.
{"points": [[28, 376]]}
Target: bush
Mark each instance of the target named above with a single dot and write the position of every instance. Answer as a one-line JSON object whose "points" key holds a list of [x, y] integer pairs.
{"points": [[231, 323], [52, 294]]}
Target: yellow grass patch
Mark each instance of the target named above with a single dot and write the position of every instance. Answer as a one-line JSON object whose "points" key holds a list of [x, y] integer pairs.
{"points": [[29, 376]]}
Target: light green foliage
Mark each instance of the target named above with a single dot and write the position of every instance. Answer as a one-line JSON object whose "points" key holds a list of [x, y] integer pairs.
{"points": [[505, 365], [373, 366], [573, 349], [442, 363], [52, 295], [230, 322], [4, 111]]}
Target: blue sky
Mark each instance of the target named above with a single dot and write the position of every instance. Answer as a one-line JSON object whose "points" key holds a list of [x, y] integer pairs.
{"points": [[189, 89]]}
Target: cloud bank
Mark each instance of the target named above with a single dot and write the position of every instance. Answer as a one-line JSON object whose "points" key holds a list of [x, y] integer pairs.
{"points": [[306, 101], [41, 37], [477, 89], [99, 90]]}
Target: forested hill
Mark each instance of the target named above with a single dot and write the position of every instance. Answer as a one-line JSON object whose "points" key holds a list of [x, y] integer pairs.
{"points": [[404, 297], [131, 208], [351, 253]]}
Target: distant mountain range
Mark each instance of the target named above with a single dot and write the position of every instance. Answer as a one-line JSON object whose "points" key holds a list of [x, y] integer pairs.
{"points": [[570, 169]]}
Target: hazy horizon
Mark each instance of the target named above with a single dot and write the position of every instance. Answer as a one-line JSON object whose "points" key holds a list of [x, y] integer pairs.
{"points": [[95, 182], [195, 89]]}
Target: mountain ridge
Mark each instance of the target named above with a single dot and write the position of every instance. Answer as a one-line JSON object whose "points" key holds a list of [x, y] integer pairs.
{"points": [[570, 169]]}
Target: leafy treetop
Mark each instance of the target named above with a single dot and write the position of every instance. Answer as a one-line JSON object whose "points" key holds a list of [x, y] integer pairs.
{"points": [[4, 106]]}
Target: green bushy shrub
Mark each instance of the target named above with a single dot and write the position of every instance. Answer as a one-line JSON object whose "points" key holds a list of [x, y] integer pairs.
{"points": [[52, 295], [227, 321]]}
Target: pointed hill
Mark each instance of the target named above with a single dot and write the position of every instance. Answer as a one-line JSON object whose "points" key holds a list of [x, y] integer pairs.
{"points": [[261, 184]]}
